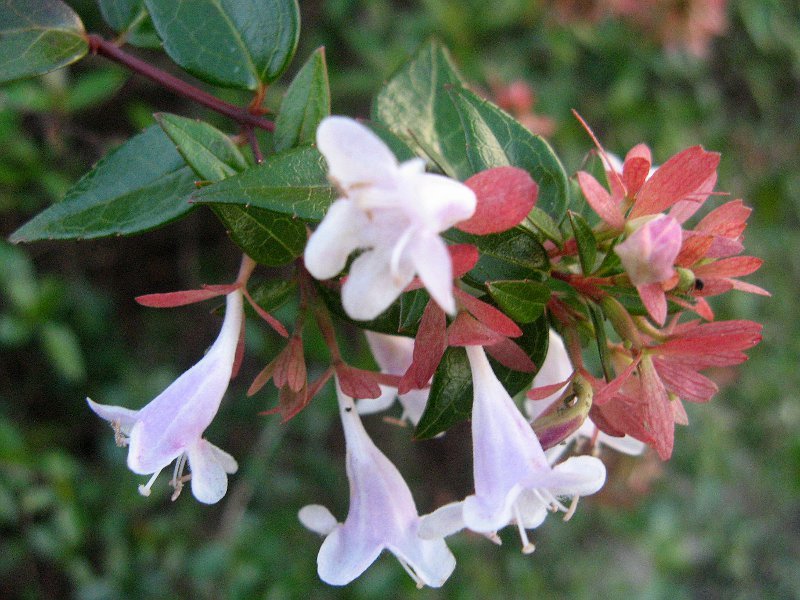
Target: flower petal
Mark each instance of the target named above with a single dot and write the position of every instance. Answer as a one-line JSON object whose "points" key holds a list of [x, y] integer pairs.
{"points": [[115, 414], [345, 554], [444, 521], [430, 560], [435, 268], [317, 518], [354, 154], [209, 480], [579, 475], [334, 239], [371, 287], [442, 202]]}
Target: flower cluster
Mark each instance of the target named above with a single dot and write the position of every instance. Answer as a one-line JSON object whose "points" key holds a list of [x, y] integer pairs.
{"points": [[398, 221]]}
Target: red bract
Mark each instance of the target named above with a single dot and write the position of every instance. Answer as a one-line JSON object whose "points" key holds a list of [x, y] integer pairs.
{"points": [[505, 196]]}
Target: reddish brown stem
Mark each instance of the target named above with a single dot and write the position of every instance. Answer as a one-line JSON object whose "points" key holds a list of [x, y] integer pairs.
{"points": [[103, 47]]}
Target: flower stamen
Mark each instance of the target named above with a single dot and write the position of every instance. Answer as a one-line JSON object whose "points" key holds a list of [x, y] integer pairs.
{"points": [[527, 546], [144, 490]]}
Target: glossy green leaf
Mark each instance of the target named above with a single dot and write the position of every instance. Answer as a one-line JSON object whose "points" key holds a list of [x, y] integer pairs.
{"points": [[273, 293], [130, 19], [587, 244], [269, 238], [450, 398], [293, 182], [38, 36], [207, 150], [512, 254], [232, 43], [544, 224], [496, 139], [306, 103], [399, 148], [141, 185], [523, 301], [415, 105], [401, 318]]}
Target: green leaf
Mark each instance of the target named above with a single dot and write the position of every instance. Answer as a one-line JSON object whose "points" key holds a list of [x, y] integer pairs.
{"points": [[273, 293], [496, 139], [523, 301], [38, 36], [141, 185], [63, 349], [232, 43], [545, 225], [450, 398], [587, 244], [512, 254], [398, 147], [130, 18], [401, 318], [269, 238], [415, 105], [293, 182], [306, 103], [208, 151]]}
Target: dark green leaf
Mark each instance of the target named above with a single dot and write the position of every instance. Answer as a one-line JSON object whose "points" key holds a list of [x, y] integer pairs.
{"points": [[545, 225], [512, 254], [587, 244], [415, 105], [207, 150], [293, 182], [398, 147], [450, 398], [268, 237], [402, 317], [141, 185], [233, 43], [306, 103], [523, 301], [496, 139], [92, 88], [598, 320], [38, 36], [130, 19], [412, 305]]}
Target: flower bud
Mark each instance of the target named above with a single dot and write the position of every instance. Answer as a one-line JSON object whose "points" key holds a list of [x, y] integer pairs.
{"points": [[649, 252]]}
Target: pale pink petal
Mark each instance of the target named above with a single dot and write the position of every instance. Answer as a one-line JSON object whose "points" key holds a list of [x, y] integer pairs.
{"points": [[443, 522], [317, 518], [442, 202], [371, 286], [125, 417], [555, 368], [335, 238], [209, 480], [354, 154], [432, 262], [649, 253]]}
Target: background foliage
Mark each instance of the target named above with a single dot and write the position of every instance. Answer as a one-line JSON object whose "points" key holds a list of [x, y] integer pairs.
{"points": [[719, 520]]}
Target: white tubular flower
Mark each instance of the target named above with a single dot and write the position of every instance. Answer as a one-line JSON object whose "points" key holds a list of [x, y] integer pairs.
{"points": [[393, 353], [171, 426], [514, 482], [382, 516], [557, 367], [394, 212]]}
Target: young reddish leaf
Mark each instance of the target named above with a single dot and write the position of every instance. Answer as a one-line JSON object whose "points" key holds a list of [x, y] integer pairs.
{"points": [[505, 197], [616, 180], [545, 391], [182, 298], [654, 301], [466, 330], [728, 220], [684, 381], [272, 321], [604, 392], [735, 266], [743, 286], [694, 247], [464, 257], [636, 168], [290, 403], [357, 383], [600, 200], [684, 209], [659, 417], [290, 365], [263, 377], [429, 347], [487, 314], [508, 354], [676, 179]]}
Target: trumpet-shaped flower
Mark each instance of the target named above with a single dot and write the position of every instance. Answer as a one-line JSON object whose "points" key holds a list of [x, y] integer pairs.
{"points": [[171, 426], [382, 515], [514, 483], [394, 353], [393, 212]]}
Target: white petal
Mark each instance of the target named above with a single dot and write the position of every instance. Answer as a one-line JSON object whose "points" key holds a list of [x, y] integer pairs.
{"points": [[581, 475], [414, 404], [532, 510], [115, 414], [443, 202], [627, 444], [354, 154], [371, 287], [435, 268], [209, 481], [344, 557], [393, 353], [334, 239], [444, 521], [430, 560], [555, 367], [228, 463], [368, 406], [317, 518]]}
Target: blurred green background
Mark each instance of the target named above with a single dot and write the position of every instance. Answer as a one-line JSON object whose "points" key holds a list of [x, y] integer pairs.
{"points": [[720, 520]]}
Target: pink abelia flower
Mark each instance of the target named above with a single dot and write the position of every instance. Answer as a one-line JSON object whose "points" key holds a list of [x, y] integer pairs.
{"points": [[382, 516], [393, 212], [170, 428], [514, 482]]}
